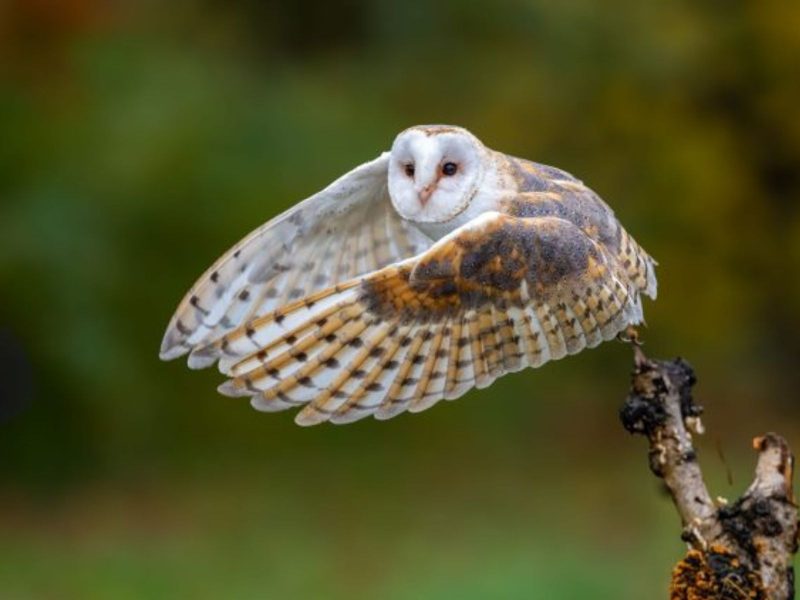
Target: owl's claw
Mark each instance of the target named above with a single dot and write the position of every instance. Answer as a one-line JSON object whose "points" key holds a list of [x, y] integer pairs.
{"points": [[630, 336]]}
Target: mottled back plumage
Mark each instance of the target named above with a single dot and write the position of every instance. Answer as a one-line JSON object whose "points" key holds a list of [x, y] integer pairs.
{"points": [[345, 308]]}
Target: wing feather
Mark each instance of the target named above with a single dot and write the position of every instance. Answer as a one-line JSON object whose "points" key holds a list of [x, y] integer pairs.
{"points": [[495, 296], [430, 388], [416, 380], [461, 366], [392, 403], [304, 250]]}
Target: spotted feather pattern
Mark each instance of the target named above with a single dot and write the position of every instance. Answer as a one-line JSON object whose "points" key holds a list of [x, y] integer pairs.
{"points": [[346, 230], [498, 295]]}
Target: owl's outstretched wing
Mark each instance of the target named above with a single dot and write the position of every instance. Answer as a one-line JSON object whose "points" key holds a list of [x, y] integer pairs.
{"points": [[348, 229], [542, 190], [497, 295]]}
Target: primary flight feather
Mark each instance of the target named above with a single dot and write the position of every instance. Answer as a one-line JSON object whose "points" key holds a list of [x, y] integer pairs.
{"points": [[437, 267]]}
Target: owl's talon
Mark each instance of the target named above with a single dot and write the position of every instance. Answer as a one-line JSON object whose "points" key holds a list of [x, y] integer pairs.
{"points": [[630, 336]]}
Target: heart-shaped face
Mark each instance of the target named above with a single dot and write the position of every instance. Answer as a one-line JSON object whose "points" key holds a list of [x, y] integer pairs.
{"points": [[434, 172]]}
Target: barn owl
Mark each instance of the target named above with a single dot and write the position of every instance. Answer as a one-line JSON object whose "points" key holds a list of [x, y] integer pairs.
{"points": [[435, 268]]}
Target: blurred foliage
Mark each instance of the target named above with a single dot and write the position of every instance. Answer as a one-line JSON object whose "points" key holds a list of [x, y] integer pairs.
{"points": [[141, 139]]}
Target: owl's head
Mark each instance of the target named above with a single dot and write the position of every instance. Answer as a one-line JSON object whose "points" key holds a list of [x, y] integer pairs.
{"points": [[434, 171]]}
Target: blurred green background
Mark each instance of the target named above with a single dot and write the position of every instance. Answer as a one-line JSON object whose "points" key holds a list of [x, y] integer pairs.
{"points": [[140, 139]]}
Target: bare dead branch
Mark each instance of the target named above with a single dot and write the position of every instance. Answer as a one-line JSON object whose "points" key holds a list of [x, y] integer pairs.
{"points": [[742, 550]]}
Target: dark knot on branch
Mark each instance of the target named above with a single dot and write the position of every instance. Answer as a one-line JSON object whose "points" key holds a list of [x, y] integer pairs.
{"points": [[645, 410]]}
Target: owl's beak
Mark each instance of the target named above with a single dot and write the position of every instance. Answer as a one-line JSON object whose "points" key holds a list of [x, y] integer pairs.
{"points": [[425, 193]]}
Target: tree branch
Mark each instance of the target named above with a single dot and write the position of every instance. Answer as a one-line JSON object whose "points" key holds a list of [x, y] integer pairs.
{"points": [[742, 550]]}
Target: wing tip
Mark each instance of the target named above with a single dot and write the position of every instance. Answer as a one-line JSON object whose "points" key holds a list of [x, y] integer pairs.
{"points": [[310, 416], [202, 358], [351, 415], [652, 288], [386, 411], [263, 405], [171, 351], [173, 344], [232, 390]]}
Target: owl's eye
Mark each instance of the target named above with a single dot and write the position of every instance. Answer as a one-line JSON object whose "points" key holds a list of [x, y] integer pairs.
{"points": [[449, 169], [409, 169]]}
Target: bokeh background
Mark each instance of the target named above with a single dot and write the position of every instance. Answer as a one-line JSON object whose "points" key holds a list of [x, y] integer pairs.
{"points": [[138, 140]]}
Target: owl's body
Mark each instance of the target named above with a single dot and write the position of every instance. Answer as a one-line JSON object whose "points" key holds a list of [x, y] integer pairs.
{"points": [[433, 269]]}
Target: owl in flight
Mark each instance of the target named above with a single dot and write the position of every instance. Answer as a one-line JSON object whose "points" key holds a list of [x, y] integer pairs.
{"points": [[435, 268]]}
